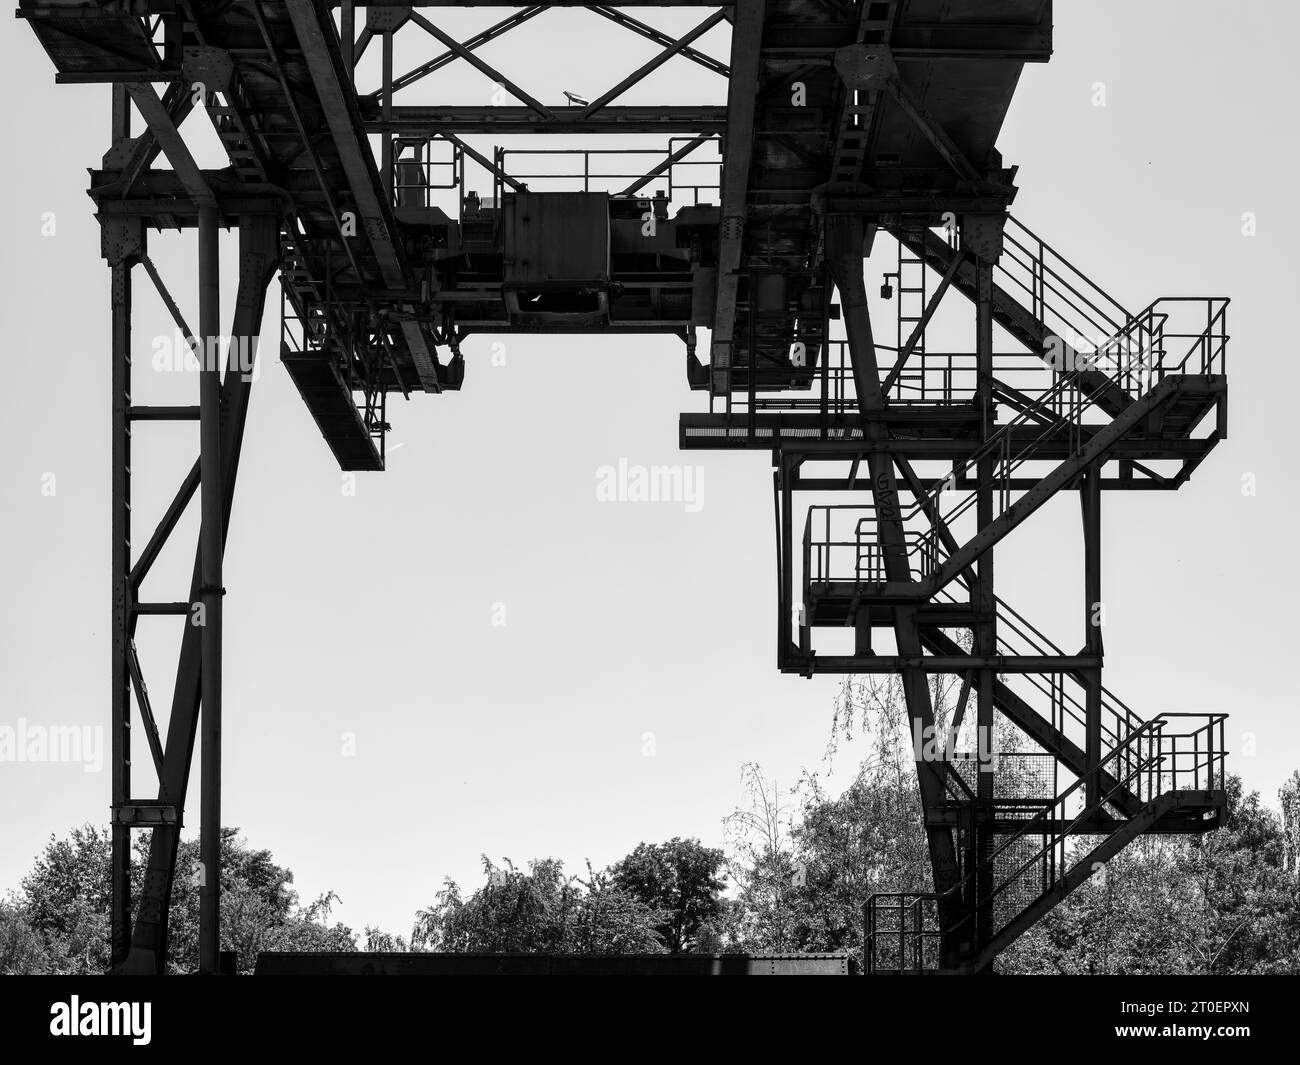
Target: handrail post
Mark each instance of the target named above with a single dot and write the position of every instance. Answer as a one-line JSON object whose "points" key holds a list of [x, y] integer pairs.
{"points": [[902, 934]]}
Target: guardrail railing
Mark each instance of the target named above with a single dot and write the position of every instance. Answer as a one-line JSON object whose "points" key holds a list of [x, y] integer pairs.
{"points": [[904, 927]]}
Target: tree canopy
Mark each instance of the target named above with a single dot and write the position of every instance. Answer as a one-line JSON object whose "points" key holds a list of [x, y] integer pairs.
{"points": [[682, 881], [797, 866], [58, 920], [538, 911]]}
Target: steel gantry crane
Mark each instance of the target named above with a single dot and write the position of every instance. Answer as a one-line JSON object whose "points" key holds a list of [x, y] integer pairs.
{"points": [[850, 129]]}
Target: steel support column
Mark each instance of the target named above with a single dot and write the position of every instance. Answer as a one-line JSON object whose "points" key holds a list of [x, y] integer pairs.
{"points": [[258, 241], [123, 615], [984, 602], [1090, 504], [210, 591], [845, 237], [386, 137], [784, 490]]}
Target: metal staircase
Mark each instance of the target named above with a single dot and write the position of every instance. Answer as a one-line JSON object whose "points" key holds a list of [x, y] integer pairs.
{"points": [[1147, 373], [1170, 766], [1100, 398], [1152, 374], [1039, 296]]}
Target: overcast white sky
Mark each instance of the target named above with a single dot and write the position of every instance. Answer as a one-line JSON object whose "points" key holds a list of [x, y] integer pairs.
{"points": [[372, 614]]}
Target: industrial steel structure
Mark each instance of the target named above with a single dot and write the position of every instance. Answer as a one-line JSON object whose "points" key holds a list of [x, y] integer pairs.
{"points": [[852, 131]]}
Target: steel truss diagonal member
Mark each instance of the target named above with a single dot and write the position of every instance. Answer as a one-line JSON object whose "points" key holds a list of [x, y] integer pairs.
{"points": [[670, 50], [845, 235], [258, 241]]}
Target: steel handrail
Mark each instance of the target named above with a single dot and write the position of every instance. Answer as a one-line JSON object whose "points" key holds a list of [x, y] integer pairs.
{"points": [[1151, 729]]}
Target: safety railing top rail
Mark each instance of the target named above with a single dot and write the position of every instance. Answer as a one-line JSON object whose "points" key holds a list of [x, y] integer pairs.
{"points": [[841, 524], [838, 546], [1056, 292], [929, 377], [422, 167], [1196, 326], [870, 567], [1172, 335], [925, 551], [678, 169]]}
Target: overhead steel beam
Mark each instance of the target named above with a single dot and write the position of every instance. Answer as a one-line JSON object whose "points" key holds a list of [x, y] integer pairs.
{"points": [[951, 663], [887, 207], [318, 40], [550, 3], [946, 42], [429, 121], [318, 169]]}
